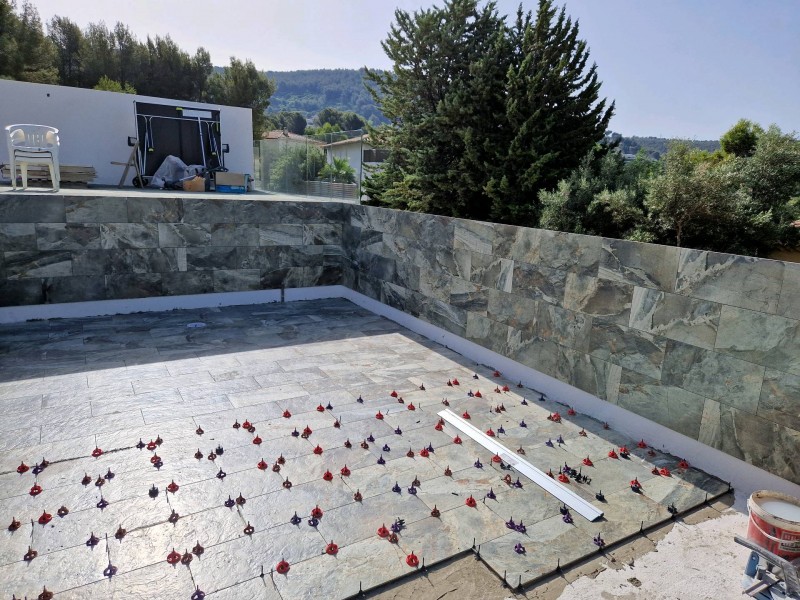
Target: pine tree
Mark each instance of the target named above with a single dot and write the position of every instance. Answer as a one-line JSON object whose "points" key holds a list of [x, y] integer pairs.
{"points": [[483, 115]]}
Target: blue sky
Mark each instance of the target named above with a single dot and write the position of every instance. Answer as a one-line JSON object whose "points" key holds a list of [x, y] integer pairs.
{"points": [[677, 68]]}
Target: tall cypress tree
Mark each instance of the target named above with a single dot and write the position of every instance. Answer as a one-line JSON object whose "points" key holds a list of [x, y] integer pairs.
{"points": [[440, 98], [553, 110], [483, 115]]}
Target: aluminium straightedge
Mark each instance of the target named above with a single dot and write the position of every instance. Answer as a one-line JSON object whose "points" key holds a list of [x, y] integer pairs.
{"points": [[561, 492]]}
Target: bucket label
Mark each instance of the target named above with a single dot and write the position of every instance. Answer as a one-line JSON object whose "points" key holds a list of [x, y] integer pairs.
{"points": [[790, 541]]}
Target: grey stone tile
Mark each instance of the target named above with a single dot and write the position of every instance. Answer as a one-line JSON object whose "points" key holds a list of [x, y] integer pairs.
{"points": [[563, 326], [790, 290], [600, 297], [740, 281], [647, 265], [673, 407], [67, 236], [27, 209], [760, 338], [92, 209], [35, 264], [17, 236], [138, 585], [367, 563], [675, 317], [688, 367], [539, 282], [241, 559], [779, 396], [627, 347], [280, 235], [473, 236], [128, 235]]}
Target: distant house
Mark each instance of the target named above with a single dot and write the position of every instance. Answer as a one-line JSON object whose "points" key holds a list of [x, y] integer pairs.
{"points": [[358, 151]]}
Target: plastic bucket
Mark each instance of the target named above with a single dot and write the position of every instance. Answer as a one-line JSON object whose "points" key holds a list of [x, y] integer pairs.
{"points": [[775, 523]]}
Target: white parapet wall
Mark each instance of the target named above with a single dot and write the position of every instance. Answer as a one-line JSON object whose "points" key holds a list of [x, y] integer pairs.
{"points": [[94, 126]]}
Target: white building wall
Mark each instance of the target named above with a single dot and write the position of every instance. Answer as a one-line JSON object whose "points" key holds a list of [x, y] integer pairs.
{"points": [[94, 126]]}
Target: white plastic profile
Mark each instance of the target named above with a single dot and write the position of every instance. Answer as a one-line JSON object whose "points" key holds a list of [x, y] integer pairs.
{"points": [[544, 481]]}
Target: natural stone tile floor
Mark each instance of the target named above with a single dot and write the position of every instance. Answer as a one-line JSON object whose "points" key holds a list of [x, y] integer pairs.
{"points": [[68, 386]]}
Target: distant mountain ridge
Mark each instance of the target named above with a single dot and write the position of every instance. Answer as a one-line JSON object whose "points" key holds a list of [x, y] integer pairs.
{"points": [[308, 92]]}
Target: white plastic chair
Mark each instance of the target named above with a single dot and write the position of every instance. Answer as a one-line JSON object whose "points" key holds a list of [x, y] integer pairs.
{"points": [[33, 145]]}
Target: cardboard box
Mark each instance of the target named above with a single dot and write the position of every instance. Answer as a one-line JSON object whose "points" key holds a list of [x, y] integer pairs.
{"points": [[231, 179], [197, 184]]}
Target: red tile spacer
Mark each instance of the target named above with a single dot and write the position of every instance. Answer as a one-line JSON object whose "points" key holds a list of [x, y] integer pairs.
{"points": [[412, 560], [455, 382], [449, 383], [394, 394], [497, 389], [664, 471], [435, 512], [336, 424], [496, 459], [466, 415], [151, 445], [506, 388], [257, 440], [236, 424], [563, 478], [456, 440], [490, 432], [424, 453], [262, 465], [364, 445], [345, 471], [410, 453], [45, 518], [496, 374], [623, 450], [382, 531], [471, 502], [282, 567], [307, 431], [154, 459], [331, 549], [173, 557], [555, 417], [318, 449], [447, 471], [96, 452], [357, 496], [327, 476], [683, 464], [642, 444], [36, 489], [612, 454], [87, 479], [438, 427], [286, 414], [320, 408], [63, 511], [249, 529], [316, 512], [478, 394], [549, 474], [571, 412], [379, 415], [348, 443], [22, 468], [582, 433], [445, 401], [173, 487], [588, 462], [247, 424], [411, 406]]}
